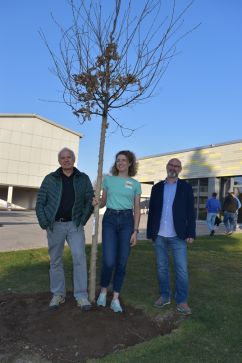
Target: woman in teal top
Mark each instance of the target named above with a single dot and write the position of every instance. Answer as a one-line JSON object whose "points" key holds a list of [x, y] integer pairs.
{"points": [[121, 195]]}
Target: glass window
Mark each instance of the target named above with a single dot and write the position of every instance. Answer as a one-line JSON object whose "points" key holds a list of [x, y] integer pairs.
{"points": [[202, 201], [193, 182], [204, 181], [200, 190], [203, 185], [238, 180]]}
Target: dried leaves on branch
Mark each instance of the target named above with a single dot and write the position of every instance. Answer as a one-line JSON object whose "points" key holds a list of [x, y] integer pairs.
{"points": [[112, 58]]}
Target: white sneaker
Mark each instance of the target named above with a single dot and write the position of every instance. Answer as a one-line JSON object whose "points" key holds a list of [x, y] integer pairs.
{"points": [[56, 301], [84, 303], [115, 306], [102, 299]]}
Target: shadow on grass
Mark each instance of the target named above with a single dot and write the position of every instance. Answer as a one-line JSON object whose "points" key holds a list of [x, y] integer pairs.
{"points": [[28, 271]]}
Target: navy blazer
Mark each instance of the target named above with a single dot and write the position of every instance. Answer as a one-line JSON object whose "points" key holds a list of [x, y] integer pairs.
{"points": [[182, 208]]}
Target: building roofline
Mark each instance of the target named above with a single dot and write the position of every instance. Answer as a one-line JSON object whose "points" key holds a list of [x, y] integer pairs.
{"points": [[29, 115], [192, 149]]}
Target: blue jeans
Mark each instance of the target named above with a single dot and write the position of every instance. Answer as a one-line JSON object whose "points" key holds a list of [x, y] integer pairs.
{"points": [[210, 221], [236, 220], [67, 231], [178, 248], [117, 228], [229, 221]]}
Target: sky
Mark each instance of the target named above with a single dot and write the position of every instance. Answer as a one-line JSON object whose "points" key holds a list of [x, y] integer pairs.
{"points": [[198, 103]]}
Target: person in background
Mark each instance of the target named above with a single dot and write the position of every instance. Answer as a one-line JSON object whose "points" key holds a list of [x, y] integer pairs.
{"points": [[64, 205], [213, 207], [121, 194], [171, 225], [230, 209], [237, 212]]}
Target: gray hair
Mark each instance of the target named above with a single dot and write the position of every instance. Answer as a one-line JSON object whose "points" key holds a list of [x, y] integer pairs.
{"points": [[71, 152]]}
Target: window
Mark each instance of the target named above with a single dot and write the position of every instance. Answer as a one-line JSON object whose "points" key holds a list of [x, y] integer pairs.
{"points": [[238, 180]]}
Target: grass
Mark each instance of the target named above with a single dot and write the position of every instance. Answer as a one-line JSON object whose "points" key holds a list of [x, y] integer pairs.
{"points": [[211, 334]]}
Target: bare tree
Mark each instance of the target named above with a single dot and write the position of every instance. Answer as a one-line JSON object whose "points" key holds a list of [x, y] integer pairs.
{"points": [[109, 59]]}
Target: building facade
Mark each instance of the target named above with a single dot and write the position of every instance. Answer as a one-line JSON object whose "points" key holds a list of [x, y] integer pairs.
{"points": [[29, 145], [213, 168]]}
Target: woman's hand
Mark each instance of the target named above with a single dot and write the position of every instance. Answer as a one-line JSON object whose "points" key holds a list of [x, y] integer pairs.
{"points": [[133, 239]]}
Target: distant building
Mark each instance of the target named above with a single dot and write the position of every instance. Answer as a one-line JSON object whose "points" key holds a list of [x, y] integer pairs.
{"points": [[213, 168], [29, 145]]}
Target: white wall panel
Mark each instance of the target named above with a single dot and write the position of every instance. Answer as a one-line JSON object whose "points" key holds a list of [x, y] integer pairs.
{"points": [[29, 145]]}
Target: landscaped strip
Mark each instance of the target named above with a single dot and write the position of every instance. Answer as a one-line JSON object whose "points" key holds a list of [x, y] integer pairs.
{"points": [[211, 334]]}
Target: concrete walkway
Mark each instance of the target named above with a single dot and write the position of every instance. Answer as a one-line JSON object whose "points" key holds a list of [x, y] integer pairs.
{"points": [[19, 230]]}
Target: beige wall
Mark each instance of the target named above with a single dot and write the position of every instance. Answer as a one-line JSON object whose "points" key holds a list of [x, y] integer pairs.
{"points": [[146, 189], [29, 145], [216, 160]]}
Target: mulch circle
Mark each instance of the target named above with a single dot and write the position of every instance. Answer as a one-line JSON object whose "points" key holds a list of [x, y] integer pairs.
{"points": [[69, 334]]}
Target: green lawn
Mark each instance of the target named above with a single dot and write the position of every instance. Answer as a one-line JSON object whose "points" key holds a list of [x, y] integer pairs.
{"points": [[211, 334]]}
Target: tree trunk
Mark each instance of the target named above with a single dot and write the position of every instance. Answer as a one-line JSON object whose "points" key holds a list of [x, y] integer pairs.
{"points": [[93, 261]]}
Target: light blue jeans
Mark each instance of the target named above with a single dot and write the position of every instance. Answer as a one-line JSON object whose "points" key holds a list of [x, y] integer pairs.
{"points": [[67, 231], [210, 221], [178, 248]]}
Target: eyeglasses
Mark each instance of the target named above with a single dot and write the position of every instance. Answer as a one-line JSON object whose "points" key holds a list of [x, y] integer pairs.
{"points": [[174, 166]]}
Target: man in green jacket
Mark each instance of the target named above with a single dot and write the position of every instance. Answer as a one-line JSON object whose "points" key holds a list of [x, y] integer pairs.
{"points": [[64, 205]]}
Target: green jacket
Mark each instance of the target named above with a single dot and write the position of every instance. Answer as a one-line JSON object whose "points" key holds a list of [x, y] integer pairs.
{"points": [[49, 197]]}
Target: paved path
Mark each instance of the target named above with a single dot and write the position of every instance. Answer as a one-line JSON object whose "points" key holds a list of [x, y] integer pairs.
{"points": [[19, 230]]}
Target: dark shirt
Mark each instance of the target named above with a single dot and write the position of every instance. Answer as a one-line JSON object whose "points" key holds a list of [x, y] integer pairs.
{"points": [[67, 198], [230, 204]]}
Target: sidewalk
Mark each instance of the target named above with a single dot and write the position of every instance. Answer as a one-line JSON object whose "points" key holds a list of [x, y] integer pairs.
{"points": [[19, 230]]}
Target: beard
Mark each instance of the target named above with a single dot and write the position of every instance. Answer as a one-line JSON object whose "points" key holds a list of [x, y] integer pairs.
{"points": [[172, 174]]}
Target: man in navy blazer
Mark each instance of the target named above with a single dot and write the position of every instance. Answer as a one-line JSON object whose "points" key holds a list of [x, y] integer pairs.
{"points": [[171, 225]]}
